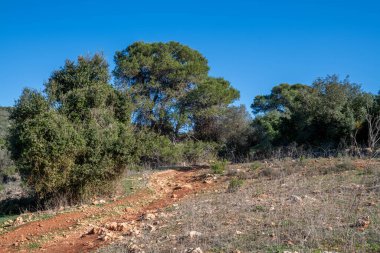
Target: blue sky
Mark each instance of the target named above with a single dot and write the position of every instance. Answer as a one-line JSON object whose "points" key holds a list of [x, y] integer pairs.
{"points": [[253, 44]]}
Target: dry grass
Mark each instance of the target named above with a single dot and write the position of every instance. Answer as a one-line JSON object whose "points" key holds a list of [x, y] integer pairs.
{"points": [[305, 206]]}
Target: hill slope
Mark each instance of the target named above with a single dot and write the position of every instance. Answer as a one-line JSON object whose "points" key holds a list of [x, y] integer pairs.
{"points": [[314, 205]]}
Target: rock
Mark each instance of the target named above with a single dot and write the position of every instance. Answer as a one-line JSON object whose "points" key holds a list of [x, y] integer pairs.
{"points": [[18, 221], [194, 234], [193, 250], [104, 238], [207, 181], [150, 228], [97, 231], [22, 238], [149, 216], [108, 236], [311, 199], [295, 199], [174, 196], [133, 248], [102, 201], [88, 244], [185, 186], [111, 226], [361, 224], [122, 226]]}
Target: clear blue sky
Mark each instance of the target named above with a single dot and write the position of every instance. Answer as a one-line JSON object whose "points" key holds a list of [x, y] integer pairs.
{"points": [[254, 44]]}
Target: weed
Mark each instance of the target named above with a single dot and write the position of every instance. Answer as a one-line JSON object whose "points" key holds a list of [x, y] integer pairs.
{"points": [[345, 166], [34, 245], [5, 218], [373, 247], [235, 184], [302, 160], [271, 172], [219, 167], [258, 208], [255, 166]]}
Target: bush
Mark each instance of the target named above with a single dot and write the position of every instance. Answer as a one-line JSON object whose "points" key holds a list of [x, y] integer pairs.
{"points": [[219, 167], [45, 150], [198, 152], [255, 166], [156, 150], [235, 184], [73, 141]]}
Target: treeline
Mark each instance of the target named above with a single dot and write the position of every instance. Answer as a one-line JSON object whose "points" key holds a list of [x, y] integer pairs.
{"points": [[331, 114], [162, 107]]}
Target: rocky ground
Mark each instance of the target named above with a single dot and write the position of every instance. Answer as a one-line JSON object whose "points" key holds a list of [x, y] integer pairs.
{"points": [[87, 227], [323, 205]]}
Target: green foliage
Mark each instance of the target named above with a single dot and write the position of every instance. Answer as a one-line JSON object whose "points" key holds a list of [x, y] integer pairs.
{"points": [[77, 135], [170, 88], [34, 245], [157, 76], [156, 150], [45, 149], [325, 114], [235, 184], [218, 167], [208, 106], [255, 166], [76, 139], [198, 151], [4, 123]]}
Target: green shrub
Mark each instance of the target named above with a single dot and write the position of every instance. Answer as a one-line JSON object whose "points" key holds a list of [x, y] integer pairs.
{"points": [[219, 167], [345, 165], [45, 150], [235, 184], [72, 142], [156, 150], [255, 166], [198, 152]]}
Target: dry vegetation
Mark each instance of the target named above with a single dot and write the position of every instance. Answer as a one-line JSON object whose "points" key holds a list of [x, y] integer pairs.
{"points": [[273, 206]]}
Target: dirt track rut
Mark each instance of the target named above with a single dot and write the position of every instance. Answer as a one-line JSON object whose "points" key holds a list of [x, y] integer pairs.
{"points": [[62, 233]]}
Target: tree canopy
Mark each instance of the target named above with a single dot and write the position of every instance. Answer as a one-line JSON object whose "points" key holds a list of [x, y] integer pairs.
{"points": [[167, 82], [327, 113]]}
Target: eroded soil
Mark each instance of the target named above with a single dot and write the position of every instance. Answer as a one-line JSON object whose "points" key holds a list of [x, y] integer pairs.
{"points": [[66, 232]]}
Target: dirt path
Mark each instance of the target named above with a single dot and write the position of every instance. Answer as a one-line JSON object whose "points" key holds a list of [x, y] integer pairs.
{"points": [[63, 232]]}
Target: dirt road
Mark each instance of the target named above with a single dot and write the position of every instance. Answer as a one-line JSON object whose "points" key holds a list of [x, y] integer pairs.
{"points": [[64, 232]]}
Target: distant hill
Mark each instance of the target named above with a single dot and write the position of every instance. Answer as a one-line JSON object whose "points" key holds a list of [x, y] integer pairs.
{"points": [[4, 121]]}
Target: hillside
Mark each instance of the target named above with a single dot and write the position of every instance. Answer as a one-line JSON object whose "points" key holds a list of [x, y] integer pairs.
{"points": [[308, 205]]}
